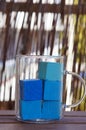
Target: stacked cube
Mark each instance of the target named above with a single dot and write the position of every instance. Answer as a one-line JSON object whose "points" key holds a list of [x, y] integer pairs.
{"points": [[42, 98], [30, 99]]}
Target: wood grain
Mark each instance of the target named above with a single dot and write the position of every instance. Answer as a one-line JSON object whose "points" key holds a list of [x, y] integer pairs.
{"points": [[70, 121], [68, 118], [54, 8]]}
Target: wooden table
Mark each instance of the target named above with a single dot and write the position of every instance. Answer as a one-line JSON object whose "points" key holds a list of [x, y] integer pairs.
{"points": [[71, 121]]}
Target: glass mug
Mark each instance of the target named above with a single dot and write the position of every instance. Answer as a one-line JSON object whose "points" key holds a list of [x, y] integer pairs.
{"points": [[39, 88]]}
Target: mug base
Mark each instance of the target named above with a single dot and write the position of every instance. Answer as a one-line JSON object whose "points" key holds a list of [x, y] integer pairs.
{"points": [[38, 121]]}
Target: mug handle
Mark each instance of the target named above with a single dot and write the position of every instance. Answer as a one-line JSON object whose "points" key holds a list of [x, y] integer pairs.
{"points": [[83, 82]]}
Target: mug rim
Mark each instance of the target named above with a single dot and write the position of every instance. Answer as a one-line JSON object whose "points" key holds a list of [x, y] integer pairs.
{"points": [[39, 56]]}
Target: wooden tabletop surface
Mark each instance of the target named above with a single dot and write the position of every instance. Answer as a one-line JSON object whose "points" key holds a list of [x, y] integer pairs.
{"points": [[70, 121]]}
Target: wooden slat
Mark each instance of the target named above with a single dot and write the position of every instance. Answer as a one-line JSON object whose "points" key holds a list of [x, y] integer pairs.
{"points": [[68, 118], [64, 120], [69, 122], [54, 8], [42, 127], [66, 114], [7, 112], [75, 114]]}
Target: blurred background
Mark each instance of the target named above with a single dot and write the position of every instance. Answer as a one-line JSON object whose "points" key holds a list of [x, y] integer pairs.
{"points": [[43, 27]]}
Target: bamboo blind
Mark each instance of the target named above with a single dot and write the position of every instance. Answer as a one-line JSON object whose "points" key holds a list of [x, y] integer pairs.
{"points": [[66, 36]]}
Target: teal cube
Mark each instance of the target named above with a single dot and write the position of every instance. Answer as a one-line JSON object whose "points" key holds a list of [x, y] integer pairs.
{"points": [[30, 110], [53, 90], [52, 110], [50, 71]]}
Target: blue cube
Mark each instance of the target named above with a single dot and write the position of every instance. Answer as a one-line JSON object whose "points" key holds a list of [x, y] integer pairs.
{"points": [[53, 90], [31, 89], [52, 110], [30, 110], [50, 71]]}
